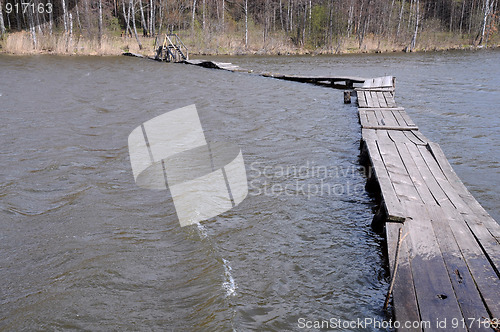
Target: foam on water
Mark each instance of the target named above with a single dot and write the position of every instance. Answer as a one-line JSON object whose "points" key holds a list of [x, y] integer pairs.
{"points": [[228, 284]]}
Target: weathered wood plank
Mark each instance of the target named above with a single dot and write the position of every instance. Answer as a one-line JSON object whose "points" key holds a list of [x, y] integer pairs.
{"points": [[400, 179], [485, 278], [407, 119], [431, 183], [389, 109], [387, 81], [390, 128], [450, 174], [392, 203], [389, 98], [372, 119], [387, 118], [481, 229], [459, 265], [362, 99], [363, 119], [381, 99], [435, 294], [412, 168], [442, 180], [369, 100], [403, 295], [414, 138]]}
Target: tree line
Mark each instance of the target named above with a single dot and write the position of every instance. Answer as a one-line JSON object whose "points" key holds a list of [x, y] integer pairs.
{"points": [[304, 23]]}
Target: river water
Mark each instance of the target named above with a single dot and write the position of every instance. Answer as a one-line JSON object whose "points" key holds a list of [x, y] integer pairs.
{"points": [[82, 247]]}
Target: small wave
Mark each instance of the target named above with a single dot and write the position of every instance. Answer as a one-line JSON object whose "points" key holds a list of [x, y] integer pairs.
{"points": [[202, 231], [229, 285]]}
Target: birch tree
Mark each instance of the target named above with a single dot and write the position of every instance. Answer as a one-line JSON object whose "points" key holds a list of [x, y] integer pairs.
{"points": [[131, 7], [100, 24], [2, 25]]}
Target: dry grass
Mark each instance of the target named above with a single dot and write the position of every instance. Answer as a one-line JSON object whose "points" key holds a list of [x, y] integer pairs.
{"points": [[22, 43], [200, 43]]}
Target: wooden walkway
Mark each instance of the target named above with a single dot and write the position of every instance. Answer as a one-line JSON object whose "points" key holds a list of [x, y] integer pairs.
{"points": [[448, 266], [449, 261]]}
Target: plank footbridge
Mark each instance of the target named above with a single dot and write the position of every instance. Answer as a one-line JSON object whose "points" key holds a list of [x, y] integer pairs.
{"points": [[448, 259]]}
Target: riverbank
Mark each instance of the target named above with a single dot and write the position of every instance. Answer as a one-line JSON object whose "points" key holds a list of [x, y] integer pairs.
{"points": [[21, 43]]}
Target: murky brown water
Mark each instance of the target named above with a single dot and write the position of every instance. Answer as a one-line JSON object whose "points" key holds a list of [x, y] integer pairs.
{"points": [[82, 247]]}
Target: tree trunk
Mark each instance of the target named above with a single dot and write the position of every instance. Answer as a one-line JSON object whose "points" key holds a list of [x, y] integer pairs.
{"points": [[400, 17], [65, 19], [462, 16], [78, 21], [485, 19], [2, 25], [143, 21], [414, 39], [50, 19], [127, 20], [32, 28], [246, 23], [389, 21], [152, 20], [131, 5], [100, 23], [69, 40], [204, 16], [193, 14], [281, 16]]}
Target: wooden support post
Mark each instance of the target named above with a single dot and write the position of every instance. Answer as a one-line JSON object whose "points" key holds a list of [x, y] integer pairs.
{"points": [[347, 97]]}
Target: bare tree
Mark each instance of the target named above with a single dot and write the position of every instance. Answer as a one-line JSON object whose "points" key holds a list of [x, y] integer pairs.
{"points": [[193, 14], [246, 23], [100, 24], [143, 21], [2, 25], [131, 7]]}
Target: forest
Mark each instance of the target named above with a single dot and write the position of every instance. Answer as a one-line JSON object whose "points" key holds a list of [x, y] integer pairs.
{"points": [[242, 26]]}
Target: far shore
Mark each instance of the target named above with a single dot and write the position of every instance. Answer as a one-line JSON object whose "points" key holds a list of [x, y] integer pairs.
{"points": [[20, 43]]}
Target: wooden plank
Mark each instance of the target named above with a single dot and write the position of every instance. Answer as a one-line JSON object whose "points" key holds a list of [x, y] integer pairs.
{"points": [[387, 81], [363, 119], [368, 83], [485, 277], [388, 118], [488, 242], [412, 168], [362, 99], [403, 294], [420, 136], [407, 119], [431, 183], [375, 100], [372, 119], [369, 101], [381, 99], [390, 128], [442, 180], [458, 266], [377, 82], [481, 228], [401, 121], [412, 137], [435, 294], [450, 174], [389, 98], [392, 203], [388, 109], [398, 175]]}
